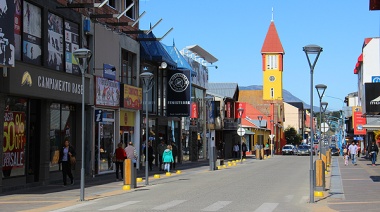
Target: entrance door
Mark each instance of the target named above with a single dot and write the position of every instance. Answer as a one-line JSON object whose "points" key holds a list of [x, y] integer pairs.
{"points": [[106, 145], [33, 141]]}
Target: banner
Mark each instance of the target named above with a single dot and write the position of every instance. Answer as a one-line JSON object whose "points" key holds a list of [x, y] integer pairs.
{"points": [[194, 110], [240, 105], [132, 97], [372, 98], [109, 71], [178, 93], [107, 92], [55, 42], [7, 33], [14, 144], [358, 121], [32, 34]]}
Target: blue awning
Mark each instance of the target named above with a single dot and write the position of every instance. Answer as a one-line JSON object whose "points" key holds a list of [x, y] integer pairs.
{"points": [[154, 51], [179, 59]]}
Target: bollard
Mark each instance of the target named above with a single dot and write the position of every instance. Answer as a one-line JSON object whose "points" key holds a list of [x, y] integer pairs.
{"points": [[178, 172], [319, 167], [156, 176], [168, 174], [139, 179], [257, 154], [129, 173], [262, 154], [324, 159]]}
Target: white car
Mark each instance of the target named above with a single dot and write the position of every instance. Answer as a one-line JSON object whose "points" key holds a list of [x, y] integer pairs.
{"points": [[288, 150]]}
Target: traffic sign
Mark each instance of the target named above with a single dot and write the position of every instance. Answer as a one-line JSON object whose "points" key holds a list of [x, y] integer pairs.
{"points": [[241, 131], [98, 116], [271, 136], [324, 127]]}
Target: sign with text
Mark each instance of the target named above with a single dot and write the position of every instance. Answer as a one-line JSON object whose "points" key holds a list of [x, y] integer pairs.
{"points": [[127, 118], [358, 121], [372, 98], [131, 97], [178, 93], [14, 144], [194, 110], [107, 92]]}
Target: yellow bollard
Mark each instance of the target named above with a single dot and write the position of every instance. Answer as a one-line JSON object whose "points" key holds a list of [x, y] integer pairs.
{"points": [[244, 159], [126, 187], [178, 172], [219, 167], [156, 176], [224, 166], [234, 164], [168, 174], [139, 179], [318, 193]]}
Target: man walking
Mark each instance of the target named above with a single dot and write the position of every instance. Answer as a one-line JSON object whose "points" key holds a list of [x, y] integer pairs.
{"points": [[353, 150], [160, 151]]}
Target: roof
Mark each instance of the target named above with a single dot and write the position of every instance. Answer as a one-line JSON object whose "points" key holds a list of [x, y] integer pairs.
{"points": [[272, 43], [199, 51], [224, 89], [154, 51], [179, 59]]}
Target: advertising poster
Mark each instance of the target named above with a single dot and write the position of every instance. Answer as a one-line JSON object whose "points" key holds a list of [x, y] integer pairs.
{"points": [[17, 28], [72, 44], [372, 98], [31, 34], [132, 98], [7, 37], [194, 110], [14, 144], [358, 121], [55, 42], [178, 93], [109, 71], [107, 92]]}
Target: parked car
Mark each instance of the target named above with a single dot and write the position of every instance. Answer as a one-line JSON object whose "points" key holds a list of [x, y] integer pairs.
{"points": [[288, 150], [334, 151], [303, 150]]}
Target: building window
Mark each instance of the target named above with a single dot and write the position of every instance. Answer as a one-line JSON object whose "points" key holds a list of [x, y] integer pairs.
{"points": [[32, 38], [112, 3], [62, 125], [272, 61], [129, 70], [131, 12], [272, 93]]}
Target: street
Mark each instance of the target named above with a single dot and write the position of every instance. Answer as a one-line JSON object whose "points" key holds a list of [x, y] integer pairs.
{"points": [[277, 184]]}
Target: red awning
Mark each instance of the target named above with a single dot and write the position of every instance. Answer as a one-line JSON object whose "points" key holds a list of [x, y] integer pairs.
{"points": [[360, 58]]}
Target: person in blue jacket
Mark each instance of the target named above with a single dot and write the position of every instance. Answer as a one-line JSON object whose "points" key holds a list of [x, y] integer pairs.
{"points": [[167, 158]]}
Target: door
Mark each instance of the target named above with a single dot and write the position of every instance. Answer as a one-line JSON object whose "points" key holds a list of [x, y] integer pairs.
{"points": [[106, 145]]}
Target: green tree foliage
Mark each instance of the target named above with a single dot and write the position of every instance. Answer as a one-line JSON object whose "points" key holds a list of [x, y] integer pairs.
{"points": [[292, 137]]}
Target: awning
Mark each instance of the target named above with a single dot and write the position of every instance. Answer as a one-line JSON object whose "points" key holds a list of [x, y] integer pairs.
{"points": [[199, 51], [372, 124], [179, 59], [248, 132], [154, 51]]}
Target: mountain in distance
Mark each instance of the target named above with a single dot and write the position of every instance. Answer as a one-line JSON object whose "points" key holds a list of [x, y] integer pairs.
{"points": [[287, 96]]}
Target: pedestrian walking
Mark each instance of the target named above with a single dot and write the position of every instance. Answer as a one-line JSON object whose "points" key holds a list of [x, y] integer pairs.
{"points": [[167, 158], [345, 157], [119, 157], [66, 156], [160, 151], [353, 150], [373, 150], [150, 156], [236, 151], [244, 149], [267, 149], [174, 152], [130, 150]]}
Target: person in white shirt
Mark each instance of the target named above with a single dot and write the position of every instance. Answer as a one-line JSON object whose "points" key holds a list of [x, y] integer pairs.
{"points": [[353, 150]]}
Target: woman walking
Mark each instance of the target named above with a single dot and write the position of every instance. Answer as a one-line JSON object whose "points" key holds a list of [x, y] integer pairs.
{"points": [[373, 150], [120, 155], [167, 158], [65, 156]]}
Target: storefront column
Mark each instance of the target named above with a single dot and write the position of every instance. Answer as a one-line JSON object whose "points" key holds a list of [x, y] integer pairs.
{"points": [[45, 143], [2, 109], [137, 137]]}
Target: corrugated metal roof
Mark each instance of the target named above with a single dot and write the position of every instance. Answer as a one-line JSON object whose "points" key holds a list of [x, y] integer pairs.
{"points": [[179, 59], [224, 89]]}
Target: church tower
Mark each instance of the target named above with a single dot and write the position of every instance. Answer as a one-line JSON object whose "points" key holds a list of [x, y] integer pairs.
{"points": [[272, 60]]}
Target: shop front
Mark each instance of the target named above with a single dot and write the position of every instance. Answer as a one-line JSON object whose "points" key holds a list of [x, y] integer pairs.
{"points": [[41, 111]]}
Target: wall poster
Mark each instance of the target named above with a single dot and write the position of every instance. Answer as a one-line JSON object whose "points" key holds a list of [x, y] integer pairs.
{"points": [[55, 42], [31, 34], [72, 44]]}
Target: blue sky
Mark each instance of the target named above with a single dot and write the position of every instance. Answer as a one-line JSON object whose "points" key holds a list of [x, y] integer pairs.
{"points": [[234, 32]]}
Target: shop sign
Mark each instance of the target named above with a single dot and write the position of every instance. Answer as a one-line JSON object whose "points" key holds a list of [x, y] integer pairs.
{"points": [[194, 110], [127, 118], [178, 93], [372, 98], [358, 121], [228, 109], [107, 92], [132, 97], [14, 143]]}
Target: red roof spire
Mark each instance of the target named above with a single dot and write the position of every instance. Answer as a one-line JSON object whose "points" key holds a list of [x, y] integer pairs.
{"points": [[272, 43]]}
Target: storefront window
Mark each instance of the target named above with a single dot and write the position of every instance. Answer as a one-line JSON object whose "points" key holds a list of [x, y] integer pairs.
{"points": [[62, 120], [105, 142], [14, 137]]}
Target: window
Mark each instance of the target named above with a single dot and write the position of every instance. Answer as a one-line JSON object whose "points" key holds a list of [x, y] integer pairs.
{"points": [[131, 12], [272, 93], [112, 3], [129, 70], [272, 61]]}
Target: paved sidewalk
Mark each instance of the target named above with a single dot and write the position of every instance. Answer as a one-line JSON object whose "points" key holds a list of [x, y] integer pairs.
{"points": [[55, 196], [353, 188]]}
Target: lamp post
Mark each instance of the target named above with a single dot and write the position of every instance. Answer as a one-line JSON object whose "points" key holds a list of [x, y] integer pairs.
{"points": [[84, 55], [321, 90], [260, 118], [241, 111], [324, 126], [147, 79], [210, 145], [312, 50]]}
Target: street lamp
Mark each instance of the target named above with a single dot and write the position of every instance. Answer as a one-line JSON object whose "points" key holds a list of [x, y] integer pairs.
{"points": [[147, 79], [84, 55], [240, 111], [321, 90], [312, 50], [260, 118]]}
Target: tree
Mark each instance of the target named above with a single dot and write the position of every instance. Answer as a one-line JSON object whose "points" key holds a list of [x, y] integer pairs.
{"points": [[292, 137]]}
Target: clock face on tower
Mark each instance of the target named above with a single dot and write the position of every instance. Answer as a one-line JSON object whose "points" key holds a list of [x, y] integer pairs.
{"points": [[272, 78]]}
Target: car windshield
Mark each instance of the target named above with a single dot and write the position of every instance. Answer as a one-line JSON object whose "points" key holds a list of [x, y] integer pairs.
{"points": [[287, 147], [303, 147]]}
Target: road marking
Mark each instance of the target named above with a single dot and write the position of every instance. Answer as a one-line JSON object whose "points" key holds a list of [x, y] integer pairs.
{"points": [[288, 198], [267, 207], [168, 205], [114, 207], [216, 206], [74, 207], [304, 199]]}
